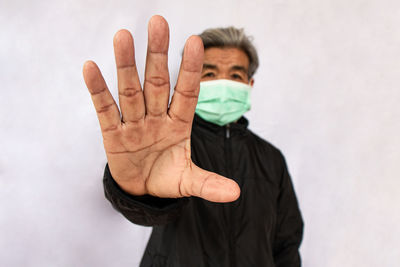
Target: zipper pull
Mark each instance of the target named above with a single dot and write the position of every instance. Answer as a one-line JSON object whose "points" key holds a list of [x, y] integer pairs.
{"points": [[227, 130]]}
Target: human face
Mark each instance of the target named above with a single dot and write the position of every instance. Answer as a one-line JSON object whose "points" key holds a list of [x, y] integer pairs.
{"points": [[226, 63]]}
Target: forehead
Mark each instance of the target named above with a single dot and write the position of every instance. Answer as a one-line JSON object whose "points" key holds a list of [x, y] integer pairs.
{"points": [[227, 56]]}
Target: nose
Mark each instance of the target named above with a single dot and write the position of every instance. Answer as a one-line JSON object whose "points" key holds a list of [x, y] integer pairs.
{"points": [[223, 75]]}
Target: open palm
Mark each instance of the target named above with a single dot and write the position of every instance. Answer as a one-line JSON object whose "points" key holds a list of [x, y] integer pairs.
{"points": [[148, 147]]}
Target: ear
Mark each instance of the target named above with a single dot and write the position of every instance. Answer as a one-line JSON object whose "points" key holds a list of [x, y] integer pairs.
{"points": [[251, 83]]}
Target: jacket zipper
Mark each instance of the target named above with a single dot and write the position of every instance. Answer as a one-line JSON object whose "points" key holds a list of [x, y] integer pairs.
{"points": [[228, 131], [229, 172], [228, 150]]}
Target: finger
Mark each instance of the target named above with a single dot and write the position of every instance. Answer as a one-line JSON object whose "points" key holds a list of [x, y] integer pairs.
{"points": [[156, 84], [184, 100], [106, 108], [130, 93], [210, 186]]}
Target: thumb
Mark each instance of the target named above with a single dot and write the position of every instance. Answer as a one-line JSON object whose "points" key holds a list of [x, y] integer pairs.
{"points": [[210, 186]]}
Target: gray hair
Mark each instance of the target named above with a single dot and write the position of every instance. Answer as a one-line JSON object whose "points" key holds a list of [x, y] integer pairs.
{"points": [[232, 37]]}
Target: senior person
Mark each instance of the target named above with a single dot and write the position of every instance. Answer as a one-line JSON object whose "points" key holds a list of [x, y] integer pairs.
{"points": [[215, 193]]}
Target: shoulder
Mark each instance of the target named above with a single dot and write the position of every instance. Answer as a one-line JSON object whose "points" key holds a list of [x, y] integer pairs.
{"points": [[265, 145], [266, 149]]}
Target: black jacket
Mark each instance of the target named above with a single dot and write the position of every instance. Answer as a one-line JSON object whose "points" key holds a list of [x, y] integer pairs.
{"points": [[262, 228]]}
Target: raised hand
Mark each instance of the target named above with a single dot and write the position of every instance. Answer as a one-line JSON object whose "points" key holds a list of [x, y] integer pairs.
{"points": [[148, 143]]}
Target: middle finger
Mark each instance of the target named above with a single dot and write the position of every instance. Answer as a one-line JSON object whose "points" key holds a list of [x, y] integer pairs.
{"points": [[157, 83]]}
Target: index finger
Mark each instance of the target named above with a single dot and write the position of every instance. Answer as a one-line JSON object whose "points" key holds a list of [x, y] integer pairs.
{"points": [[184, 100]]}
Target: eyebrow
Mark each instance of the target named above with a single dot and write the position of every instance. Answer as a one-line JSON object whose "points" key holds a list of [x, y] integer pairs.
{"points": [[209, 66], [235, 67], [239, 68]]}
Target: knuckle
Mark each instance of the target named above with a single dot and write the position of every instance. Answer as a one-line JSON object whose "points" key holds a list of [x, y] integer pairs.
{"points": [[129, 92], [104, 108], [157, 81]]}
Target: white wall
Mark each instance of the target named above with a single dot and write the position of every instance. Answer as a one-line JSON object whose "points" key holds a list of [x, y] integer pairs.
{"points": [[326, 93]]}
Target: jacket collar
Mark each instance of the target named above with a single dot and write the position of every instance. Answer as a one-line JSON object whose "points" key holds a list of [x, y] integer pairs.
{"points": [[238, 126]]}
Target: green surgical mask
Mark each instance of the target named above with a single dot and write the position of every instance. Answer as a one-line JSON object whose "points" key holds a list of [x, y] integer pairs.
{"points": [[223, 101]]}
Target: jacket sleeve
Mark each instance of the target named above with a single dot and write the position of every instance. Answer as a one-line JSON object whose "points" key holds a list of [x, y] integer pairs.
{"points": [[289, 232], [143, 210]]}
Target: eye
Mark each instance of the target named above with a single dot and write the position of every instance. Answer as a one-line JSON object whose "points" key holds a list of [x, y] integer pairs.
{"points": [[236, 76], [209, 75]]}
